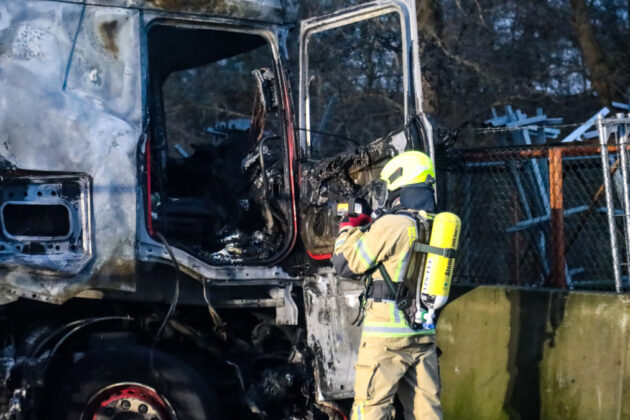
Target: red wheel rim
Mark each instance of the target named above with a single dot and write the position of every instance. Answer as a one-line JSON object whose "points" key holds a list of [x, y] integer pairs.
{"points": [[128, 401]]}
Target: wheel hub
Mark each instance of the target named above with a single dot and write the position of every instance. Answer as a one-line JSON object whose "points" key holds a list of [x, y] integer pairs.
{"points": [[128, 401]]}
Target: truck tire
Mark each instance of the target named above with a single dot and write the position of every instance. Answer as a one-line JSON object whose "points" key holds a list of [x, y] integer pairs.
{"points": [[119, 383]]}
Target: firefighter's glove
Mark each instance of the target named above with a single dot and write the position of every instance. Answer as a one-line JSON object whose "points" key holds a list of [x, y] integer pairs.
{"points": [[360, 220]]}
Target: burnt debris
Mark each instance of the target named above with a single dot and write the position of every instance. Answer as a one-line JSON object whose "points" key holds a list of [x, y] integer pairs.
{"points": [[220, 183]]}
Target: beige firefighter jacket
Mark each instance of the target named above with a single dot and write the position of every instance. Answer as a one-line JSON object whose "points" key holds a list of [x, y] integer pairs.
{"points": [[388, 240]]}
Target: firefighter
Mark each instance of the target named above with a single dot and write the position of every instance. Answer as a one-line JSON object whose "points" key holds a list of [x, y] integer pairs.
{"points": [[393, 358]]}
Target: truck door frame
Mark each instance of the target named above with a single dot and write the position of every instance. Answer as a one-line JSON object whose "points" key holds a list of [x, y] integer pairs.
{"points": [[412, 81]]}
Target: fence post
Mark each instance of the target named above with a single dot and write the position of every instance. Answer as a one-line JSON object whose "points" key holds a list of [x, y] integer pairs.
{"points": [[516, 237], [558, 277], [610, 205], [622, 142]]}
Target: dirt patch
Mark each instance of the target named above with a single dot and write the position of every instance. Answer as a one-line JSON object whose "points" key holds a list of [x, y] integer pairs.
{"points": [[200, 5], [220, 7], [109, 31]]}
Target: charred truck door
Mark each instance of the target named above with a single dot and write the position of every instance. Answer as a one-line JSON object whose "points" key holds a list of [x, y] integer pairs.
{"points": [[360, 104]]}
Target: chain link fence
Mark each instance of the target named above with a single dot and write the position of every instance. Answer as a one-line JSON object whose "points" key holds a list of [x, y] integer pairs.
{"points": [[537, 216]]}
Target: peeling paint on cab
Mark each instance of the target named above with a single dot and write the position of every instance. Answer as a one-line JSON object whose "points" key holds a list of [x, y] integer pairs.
{"points": [[275, 11]]}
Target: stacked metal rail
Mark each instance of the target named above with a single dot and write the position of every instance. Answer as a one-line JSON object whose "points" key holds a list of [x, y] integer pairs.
{"points": [[532, 191]]}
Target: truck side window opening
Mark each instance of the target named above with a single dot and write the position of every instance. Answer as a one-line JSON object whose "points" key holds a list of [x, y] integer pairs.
{"points": [[355, 84], [213, 136]]}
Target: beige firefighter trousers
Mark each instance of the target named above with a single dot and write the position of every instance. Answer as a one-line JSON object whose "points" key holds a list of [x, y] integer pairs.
{"points": [[404, 365]]}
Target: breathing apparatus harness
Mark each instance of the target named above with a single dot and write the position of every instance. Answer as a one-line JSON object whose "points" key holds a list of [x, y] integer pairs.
{"points": [[400, 292]]}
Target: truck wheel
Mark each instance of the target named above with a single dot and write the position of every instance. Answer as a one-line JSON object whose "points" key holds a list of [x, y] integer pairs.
{"points": [[119, 384]]}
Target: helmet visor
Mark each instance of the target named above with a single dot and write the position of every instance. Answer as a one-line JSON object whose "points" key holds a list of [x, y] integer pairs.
{"points": [[379, 194]]}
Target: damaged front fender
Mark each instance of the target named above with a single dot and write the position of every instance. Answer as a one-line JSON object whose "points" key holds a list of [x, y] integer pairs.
{"points": [[331, 306]]}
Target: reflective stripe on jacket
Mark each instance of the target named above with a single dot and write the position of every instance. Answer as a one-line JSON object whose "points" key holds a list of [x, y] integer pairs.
{"points": [[387, 240], [384, 319]]}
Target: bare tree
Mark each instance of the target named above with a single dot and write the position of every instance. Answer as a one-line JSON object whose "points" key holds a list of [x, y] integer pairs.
{"points": [[599, 68], [568, 57]]}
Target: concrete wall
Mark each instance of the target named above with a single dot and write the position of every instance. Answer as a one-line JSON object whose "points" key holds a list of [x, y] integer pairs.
{"points": [[534, 354]]}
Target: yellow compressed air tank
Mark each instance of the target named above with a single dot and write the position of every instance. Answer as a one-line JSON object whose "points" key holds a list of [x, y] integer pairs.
{"points": [[438, 271]]}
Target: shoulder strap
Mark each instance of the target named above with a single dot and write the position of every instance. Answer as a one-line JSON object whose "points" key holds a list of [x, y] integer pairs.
{"points": [[444, 252], [363, 299], [387, 278]]}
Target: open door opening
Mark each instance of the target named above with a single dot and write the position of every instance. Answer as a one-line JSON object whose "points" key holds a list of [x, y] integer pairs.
{"points": [[360, 105], [355, 85], [219, 181]]}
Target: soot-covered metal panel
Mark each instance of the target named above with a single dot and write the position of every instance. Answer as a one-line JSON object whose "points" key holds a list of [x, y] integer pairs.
{"points": [[71, 106], [45, 223], [331, 307], [275, 11]]}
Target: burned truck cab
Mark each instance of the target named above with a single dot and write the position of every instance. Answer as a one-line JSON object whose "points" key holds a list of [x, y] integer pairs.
{"points": [[122, 120], [162, 159]]}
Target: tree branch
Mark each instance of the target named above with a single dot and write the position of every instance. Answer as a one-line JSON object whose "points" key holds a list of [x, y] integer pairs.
{"points": [[598, 67], [429, 25], [480, 13], [458, 59]]}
